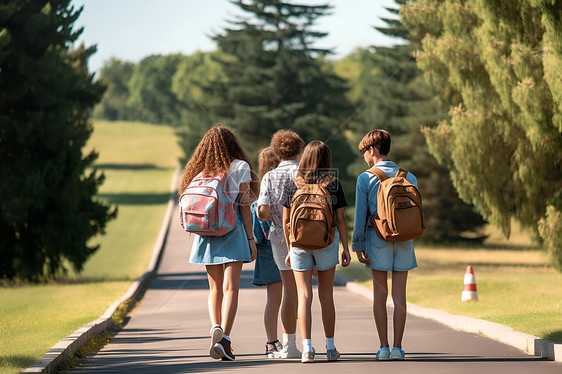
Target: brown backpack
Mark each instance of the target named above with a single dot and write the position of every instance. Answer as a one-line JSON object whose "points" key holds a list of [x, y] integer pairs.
{"points": [[399, 208], [312, 223]]}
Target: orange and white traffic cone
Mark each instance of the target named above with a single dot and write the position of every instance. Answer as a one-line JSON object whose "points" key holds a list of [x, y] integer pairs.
{"points": [[469, 288]]}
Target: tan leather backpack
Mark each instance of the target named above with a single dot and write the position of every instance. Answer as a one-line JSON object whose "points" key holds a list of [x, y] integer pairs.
{"points": [[312, 223], [399, 215]]}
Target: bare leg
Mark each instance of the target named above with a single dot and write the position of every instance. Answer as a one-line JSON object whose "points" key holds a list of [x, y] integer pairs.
{"points": [[304, 288], [380, 292], [289, 303], [399, 279], [231, 287], [326, 296], [271, 312], [215, 276]]}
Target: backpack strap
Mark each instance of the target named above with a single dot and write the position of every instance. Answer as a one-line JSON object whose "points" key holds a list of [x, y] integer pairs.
{"points": [[402, 173], [379, 173], [327, 180]]}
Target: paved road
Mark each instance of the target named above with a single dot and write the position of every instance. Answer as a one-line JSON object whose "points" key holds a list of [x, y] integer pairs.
{"points": [[168, 333]]}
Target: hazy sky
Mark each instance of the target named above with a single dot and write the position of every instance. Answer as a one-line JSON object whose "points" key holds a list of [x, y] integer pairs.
{"points": [[132, 29]]}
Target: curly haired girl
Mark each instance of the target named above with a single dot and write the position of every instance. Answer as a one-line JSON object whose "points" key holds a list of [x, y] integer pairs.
{"points": [[220, 152]]}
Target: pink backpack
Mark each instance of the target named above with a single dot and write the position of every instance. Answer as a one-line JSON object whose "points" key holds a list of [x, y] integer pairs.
{"points": [[206, 207]]}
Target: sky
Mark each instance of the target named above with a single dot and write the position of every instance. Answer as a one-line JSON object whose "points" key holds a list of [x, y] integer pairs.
{"points": [[132, 29]]}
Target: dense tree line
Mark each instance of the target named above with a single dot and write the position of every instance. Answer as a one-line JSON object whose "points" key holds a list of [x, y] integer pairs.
{"points": [[47, 206], [267, 75], [497, 65]]}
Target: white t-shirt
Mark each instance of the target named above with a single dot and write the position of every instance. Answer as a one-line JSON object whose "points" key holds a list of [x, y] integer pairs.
{"points": [[239, 172]]}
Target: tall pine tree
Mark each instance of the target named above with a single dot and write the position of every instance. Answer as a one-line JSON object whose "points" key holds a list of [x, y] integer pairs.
{"points": [[276, 78], [47, 209], [397, 99]]}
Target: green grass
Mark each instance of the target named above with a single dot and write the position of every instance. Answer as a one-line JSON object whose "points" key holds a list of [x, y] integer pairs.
{"points": [[138, 161], [34, 318], [516, 286]]}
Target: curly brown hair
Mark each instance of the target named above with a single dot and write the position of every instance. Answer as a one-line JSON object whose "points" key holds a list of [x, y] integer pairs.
{"points": [[286, 144], [267, 160], [214, 154]]}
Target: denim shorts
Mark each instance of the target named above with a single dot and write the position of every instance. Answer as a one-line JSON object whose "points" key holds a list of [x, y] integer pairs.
{"points": [[391, 256], [324, 259]]}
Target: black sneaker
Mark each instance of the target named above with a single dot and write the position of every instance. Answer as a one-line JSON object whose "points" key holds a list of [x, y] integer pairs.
{"points": [[273, 350], [223, 349]]}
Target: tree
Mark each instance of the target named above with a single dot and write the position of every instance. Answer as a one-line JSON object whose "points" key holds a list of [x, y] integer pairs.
{"points": [[150, 90], [115, 75], [357, 69], [397, 99], [47, 210], [277, 79], [188, 86], [501, 61]]}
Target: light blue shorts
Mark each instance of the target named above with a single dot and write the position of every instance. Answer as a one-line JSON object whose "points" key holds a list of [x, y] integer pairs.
{"points": [[324, 259], [389, 256]]}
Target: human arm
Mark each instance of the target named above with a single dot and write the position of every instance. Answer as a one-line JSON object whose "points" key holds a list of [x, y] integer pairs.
{"points": [[264, 212], [286, 220], [244, 207], [342, 229], [263, 203], [360, 219]]}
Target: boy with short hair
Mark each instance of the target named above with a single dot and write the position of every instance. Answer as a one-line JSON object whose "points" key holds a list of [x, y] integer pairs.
{"points": [[378, 254]]}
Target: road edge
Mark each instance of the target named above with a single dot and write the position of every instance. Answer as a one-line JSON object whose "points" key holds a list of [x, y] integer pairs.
{"points": [[66, 347], [527, 343]]}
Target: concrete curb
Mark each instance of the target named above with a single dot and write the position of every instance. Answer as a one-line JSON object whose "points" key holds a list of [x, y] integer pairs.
{"points": [[527, 343], [65, 348]]}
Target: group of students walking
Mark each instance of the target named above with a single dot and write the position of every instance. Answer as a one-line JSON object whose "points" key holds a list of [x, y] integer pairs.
{"points": [[272, 231]]}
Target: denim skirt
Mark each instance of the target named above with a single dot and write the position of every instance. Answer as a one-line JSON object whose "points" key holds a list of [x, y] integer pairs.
{"points": [[265, 270], [214, 250]]}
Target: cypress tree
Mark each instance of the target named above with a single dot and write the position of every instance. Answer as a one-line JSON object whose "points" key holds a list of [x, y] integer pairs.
{"points": [[397, 99], [503, 141], [47, 209]]}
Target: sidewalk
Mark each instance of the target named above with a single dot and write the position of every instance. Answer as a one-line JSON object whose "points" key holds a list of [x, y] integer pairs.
{"points": [[168, 333]]}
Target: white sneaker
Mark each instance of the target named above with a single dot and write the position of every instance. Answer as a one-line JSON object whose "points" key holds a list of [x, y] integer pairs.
{"points": [[216, 336], [290, 349], [308, 357]]}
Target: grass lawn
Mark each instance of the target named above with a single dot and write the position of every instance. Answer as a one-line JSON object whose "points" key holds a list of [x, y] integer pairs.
{"points": [[516, 286], [138, 161]]}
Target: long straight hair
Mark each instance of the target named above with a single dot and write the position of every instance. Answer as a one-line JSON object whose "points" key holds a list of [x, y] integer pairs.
{"points": [[316, 161]]}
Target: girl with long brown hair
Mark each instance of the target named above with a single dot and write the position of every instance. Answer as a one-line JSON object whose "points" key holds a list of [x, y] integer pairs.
{"points": [[220, 152], [315, 168]]}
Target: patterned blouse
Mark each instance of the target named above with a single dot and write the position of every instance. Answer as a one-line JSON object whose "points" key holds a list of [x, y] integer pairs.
{"points": [[273, 190]]}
